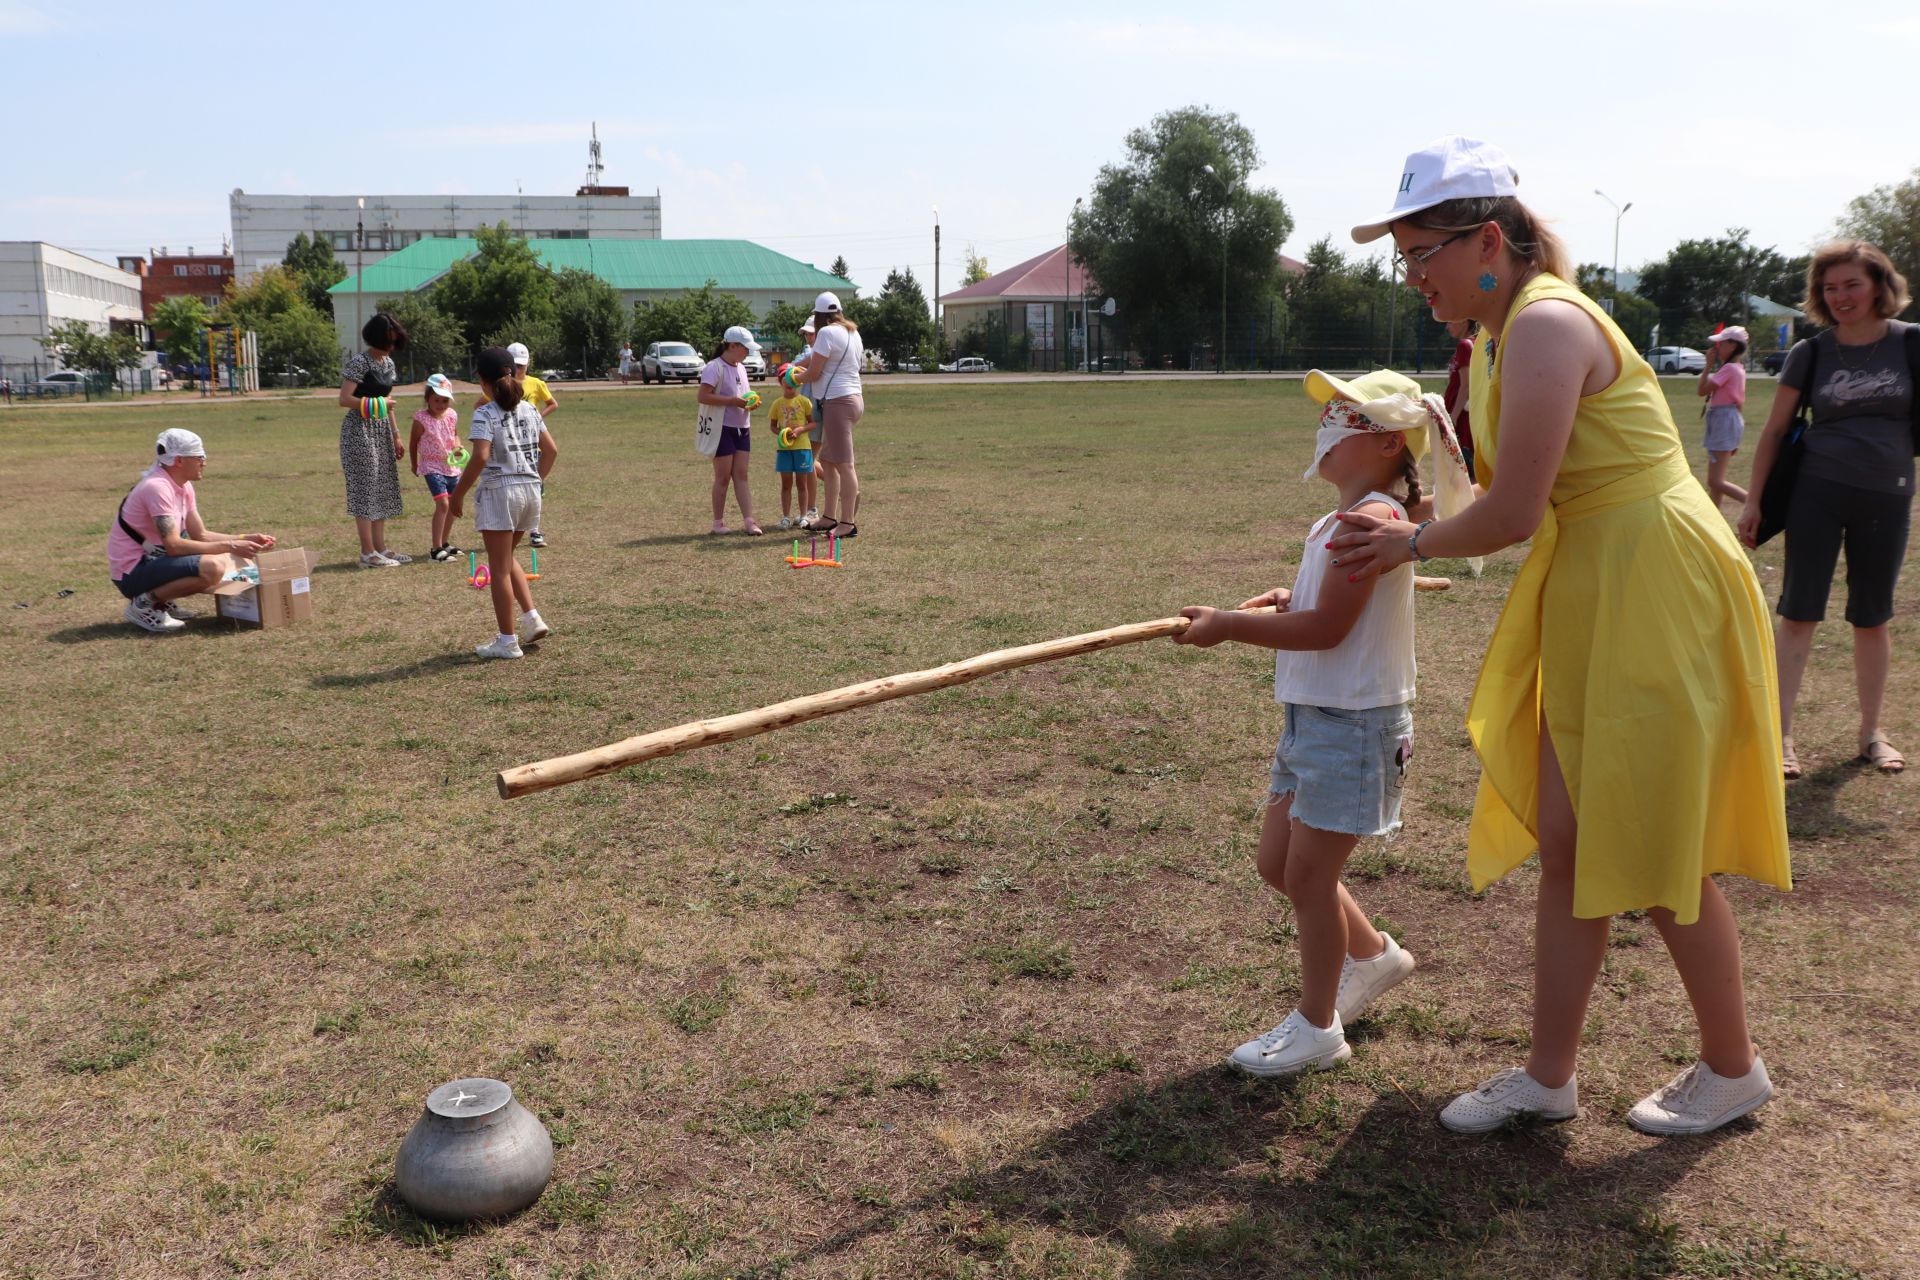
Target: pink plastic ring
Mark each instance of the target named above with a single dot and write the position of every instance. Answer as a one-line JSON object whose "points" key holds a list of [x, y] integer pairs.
{"points": [[482, 578]]}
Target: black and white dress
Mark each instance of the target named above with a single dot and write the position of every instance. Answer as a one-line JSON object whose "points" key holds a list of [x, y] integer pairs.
{"points": [[366, 448]]}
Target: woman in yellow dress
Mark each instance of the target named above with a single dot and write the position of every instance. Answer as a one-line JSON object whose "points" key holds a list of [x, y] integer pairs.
{"points": [[1627, 715]]}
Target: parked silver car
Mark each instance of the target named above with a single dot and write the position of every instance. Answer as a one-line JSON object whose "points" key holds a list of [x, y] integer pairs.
{"points": [[665, 360]]}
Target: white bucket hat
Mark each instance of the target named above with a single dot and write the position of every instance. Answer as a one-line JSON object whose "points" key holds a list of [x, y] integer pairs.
{"points": [[1449, 168]]}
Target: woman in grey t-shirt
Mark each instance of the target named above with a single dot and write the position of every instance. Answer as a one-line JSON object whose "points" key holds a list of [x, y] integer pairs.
{"points": [[1855, 486]]}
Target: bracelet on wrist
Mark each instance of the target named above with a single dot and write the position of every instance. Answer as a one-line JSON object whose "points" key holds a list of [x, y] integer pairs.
{"points": [[1413, 541]]}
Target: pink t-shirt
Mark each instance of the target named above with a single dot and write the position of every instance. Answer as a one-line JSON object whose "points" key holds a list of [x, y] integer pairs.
{"points": [[1729, 383], [155, 495], [438, 437]]}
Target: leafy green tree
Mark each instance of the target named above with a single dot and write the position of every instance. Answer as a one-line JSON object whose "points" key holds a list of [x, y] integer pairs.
{"points": [[897, 324], [1890, 218], [698, 316], [1158, 226], [435, 341], [540, 332], [292, 334], [78, 345], [1704, 283], [1634, 314], [782, 323], [179, 323], [976, 269], [311, 261], [503, 282], [591, 320]]}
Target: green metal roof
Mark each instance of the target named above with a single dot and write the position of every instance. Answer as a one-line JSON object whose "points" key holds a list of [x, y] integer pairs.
{"points": [[624, 264]]}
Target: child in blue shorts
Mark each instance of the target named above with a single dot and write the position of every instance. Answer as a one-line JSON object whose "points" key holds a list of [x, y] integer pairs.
{"points": [[436, 434], [789, 419]]}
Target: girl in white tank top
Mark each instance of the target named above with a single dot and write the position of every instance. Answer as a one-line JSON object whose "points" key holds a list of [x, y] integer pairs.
{"points": [[1344, 671]]}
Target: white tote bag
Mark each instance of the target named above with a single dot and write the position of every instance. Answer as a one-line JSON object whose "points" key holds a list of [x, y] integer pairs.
{"points": [[706, 430]]}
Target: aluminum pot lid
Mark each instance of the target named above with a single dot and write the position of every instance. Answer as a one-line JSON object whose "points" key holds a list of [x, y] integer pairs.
{"points": [[469, 1099]]}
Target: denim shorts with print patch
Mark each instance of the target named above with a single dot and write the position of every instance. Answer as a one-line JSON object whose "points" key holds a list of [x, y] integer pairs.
{"points": [[1345, 769]]}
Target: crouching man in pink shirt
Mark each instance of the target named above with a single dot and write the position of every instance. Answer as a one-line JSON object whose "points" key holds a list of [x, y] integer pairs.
{"points": [[159, 550]]}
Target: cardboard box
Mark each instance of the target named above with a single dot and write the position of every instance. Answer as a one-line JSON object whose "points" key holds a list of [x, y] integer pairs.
{"points": [[284, 594]]}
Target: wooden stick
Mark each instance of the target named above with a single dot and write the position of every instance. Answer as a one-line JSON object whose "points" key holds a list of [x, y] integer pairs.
{"points": [[526, 779]]}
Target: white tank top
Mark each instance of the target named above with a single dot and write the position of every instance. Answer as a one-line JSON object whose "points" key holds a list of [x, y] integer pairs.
{"points": [[1373, 666]]}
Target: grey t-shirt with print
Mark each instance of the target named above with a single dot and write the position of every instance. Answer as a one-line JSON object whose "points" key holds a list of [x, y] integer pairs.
{"points": [[515, 441], [1862, 431]]}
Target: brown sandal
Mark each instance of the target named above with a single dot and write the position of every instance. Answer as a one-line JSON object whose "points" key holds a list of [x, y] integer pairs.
{"points": [[1882, 754], [1789, 762]]}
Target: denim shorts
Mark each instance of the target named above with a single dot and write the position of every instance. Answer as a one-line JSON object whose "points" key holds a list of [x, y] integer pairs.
{"points": [[438, 485], [793, 461], [1345, 769], [156, 570]]}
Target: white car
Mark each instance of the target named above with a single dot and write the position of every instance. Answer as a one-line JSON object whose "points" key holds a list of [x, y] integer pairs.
{"points": [[968, 364], [670, 360], [755, 364], [62, 382], [1676, 360]]}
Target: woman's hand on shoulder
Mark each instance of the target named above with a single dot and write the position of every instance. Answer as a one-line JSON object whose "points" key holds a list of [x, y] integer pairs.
{"points": [[1370, 543]]}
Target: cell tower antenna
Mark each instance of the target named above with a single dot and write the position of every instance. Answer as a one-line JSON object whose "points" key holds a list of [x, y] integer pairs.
{"points": [[594, 167]]}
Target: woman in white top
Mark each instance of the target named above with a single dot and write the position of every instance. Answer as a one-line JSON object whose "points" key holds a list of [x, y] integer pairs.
{"points": [[1345, 674], [832, 377]]}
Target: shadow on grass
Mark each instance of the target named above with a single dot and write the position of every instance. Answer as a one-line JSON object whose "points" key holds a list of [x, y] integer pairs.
{"points": [[707, 541], [1811, 809], [1395, 1195], [413, 670], [205, 627]]}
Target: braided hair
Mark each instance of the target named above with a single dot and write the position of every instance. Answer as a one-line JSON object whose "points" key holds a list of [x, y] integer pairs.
{"points": [[1410, 472]]}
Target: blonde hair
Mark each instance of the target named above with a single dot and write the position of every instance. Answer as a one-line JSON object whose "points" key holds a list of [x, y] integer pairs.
{"points": [[821, 319], [1526, 234], [1892, 286]]}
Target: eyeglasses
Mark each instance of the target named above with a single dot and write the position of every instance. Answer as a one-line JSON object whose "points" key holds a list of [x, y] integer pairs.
{"points": [[1415, 263]]}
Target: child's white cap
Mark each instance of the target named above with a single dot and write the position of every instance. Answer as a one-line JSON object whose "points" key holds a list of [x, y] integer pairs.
{"points": [[809, 326], [1449, 168], [519, 352], [738, 333], [440, 384], [1732, 333]]}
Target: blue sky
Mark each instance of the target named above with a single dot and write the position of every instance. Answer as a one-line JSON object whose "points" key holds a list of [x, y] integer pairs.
{"points": [[129, 124]]}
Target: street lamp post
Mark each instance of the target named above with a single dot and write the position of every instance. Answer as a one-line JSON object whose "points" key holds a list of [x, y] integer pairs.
{"points": [[1619, 212], [938, 335], [359, 259], [1220, 357]]}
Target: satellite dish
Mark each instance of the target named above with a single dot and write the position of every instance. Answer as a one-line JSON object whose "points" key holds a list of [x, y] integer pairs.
{"points": [[1108, 308]]}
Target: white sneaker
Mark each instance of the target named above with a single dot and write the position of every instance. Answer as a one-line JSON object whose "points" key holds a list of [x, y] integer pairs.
{"points": [[1507, 1096], [500, 647], [1699, 1100], [177, 611], [1294, 1046], [396, 556], [786, 522], [150, 617], [374, 560], [1364, 981], [533, 627]]}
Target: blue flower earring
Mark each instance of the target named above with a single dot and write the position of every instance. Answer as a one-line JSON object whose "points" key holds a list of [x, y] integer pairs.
{"points": [[1488, 282]]}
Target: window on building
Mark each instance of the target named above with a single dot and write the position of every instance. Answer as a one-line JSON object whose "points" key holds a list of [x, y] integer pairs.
{"points": [[343, 239], [180, 269], [213, 269]]}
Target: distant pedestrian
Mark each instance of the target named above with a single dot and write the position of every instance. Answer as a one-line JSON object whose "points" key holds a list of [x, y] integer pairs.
{"points": [[1724, 383], [370, 444], [626, 363]]}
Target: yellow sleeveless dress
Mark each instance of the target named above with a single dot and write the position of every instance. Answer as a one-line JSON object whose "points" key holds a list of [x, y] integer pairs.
{"points": [[1637, 628]]}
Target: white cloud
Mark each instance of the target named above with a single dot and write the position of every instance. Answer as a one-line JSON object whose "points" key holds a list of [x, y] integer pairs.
{"points": [[24, 20]]}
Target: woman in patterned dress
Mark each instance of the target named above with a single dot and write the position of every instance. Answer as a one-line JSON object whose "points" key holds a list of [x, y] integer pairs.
{"points": [[370, 447]]}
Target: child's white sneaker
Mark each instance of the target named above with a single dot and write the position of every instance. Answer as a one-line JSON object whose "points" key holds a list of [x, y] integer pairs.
{"points": [[1294, 1046], [149, 616], [1508, 1096], [786, 522], [1364, 981], [177, 611], [374, 560], [396, 557], [1700, 1100], [533, 627], [500, 647]]}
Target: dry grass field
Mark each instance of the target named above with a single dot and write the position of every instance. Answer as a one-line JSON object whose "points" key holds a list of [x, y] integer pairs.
{"points": [[934, 989]]}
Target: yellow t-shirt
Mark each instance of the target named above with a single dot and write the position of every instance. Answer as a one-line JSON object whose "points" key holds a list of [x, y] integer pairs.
{"points": [[790, 413], [533, 390]]}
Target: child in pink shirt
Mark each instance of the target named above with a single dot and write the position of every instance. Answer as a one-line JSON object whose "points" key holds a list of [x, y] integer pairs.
{"points": [[436, 436], [1724, 383]]}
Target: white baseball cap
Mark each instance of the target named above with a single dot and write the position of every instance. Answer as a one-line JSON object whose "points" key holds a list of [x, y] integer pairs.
{"points": [[1732, 333], [740, 334], [440, 385], [827, 304], [809, 326], [176, 443], [1449, 168], [519, 352]]}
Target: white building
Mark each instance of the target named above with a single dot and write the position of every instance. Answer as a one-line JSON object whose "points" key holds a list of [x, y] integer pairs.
{"points": [[263, 225], [43, 285]]}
